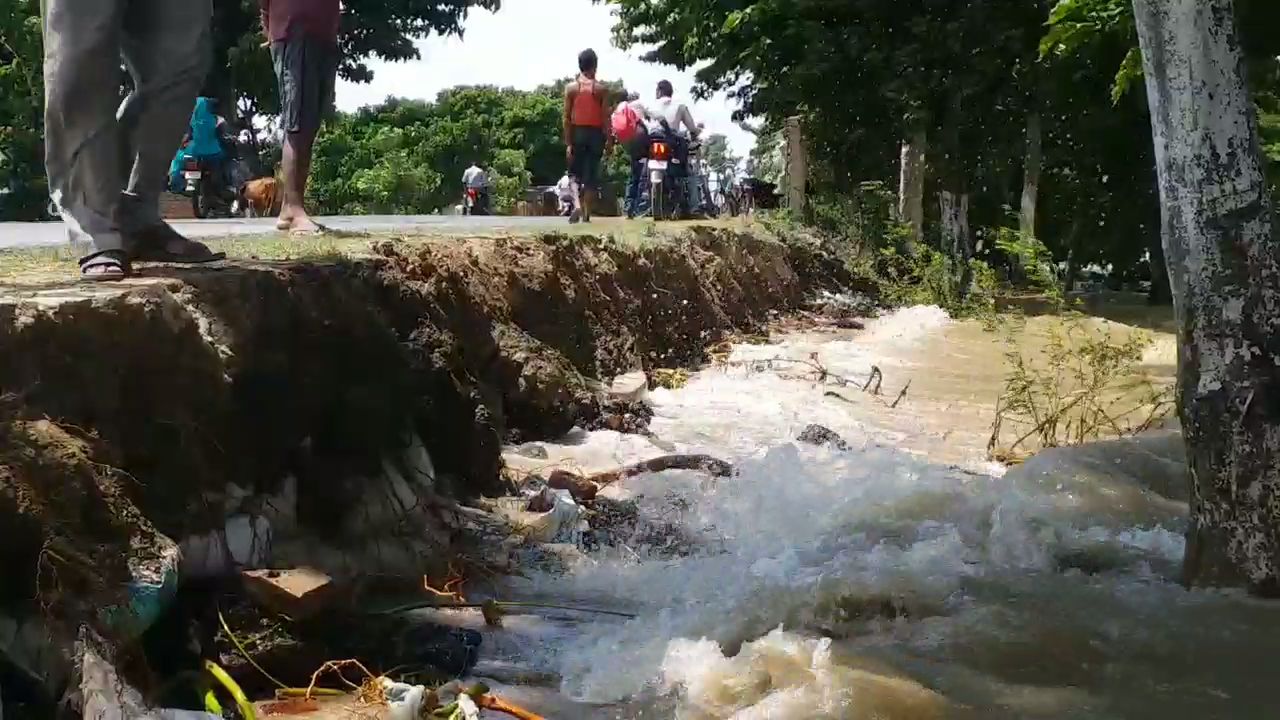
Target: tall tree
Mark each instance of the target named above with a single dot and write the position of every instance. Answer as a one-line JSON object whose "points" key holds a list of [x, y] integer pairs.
{"points": [[1225, 268]]}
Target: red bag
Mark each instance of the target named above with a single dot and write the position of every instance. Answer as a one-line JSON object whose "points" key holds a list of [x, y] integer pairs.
{"points": [[625, 123]]}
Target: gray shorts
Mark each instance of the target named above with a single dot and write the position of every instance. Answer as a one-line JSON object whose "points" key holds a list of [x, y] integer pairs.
{"points": [[306, 70]]}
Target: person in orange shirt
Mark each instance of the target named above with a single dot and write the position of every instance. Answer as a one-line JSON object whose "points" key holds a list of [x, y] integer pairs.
{"points": [[586, 131]]}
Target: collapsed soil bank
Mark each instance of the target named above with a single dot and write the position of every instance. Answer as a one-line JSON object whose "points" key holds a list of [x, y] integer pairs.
{"points": [[166, 393]]}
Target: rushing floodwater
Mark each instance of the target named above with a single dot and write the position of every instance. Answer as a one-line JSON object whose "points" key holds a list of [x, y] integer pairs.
{"points": [[903, 578]]}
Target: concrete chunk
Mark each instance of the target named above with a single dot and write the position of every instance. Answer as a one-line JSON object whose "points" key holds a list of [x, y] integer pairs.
{"points": [[630, 387], [298, 592]]}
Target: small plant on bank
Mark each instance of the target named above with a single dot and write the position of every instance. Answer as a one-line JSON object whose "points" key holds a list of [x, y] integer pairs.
{"points": [[1085, 389], [1034, 261], [927, 278]]}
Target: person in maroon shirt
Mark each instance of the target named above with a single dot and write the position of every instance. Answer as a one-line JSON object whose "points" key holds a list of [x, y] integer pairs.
{"points": [[304, 50]]}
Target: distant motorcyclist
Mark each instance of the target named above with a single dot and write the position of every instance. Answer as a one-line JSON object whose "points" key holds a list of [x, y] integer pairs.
{"points": [[202, 141], [475, 178]]}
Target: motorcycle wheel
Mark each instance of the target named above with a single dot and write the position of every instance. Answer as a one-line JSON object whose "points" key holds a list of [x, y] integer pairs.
{"points": [[657, 204], [200, 203]]}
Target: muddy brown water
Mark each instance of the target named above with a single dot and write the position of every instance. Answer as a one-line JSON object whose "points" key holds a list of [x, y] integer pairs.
{"points": [[906, 577]]}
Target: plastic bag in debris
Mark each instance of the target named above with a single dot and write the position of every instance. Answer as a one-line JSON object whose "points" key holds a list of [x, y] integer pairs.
{"points": [[468, 707], [405, 700], [562, 523], [155, 580], [106, 697], [243, 543]]}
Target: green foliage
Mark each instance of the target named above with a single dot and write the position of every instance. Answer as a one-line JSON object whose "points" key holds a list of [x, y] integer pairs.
{"points": [[1076, 25], [409, 155], [510, 177], [1084, 387], [721, 163], [928, 278], [863, 219], [1033, 259], [765, 160], [24, 193]]}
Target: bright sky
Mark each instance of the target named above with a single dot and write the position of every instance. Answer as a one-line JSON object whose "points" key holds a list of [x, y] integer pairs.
{"points": [[530, 43]]}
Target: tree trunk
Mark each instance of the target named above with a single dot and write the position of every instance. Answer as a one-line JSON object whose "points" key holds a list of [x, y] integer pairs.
{"points": [[1031, 176], [911, 188], [1159, 293], [1074, 240], [1224, 269], [957, 242]]}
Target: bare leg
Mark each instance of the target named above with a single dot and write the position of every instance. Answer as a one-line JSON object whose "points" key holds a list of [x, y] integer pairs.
{"points": [[587, 196], [296, 167]]}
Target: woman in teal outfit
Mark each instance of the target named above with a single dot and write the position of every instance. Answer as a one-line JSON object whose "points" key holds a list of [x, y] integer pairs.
{"points": [[201, 141]]}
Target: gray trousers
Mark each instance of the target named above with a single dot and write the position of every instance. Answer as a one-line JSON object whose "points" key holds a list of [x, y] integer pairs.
{"points": [[107, 159]]}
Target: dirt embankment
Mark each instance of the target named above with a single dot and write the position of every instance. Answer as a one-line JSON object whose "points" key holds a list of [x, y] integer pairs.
{"points": [[168, 396]]}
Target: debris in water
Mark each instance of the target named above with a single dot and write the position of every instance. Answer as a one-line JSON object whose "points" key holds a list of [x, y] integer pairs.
{"points": [[820, 435], [496, 704], [581, 488], [532, 450], [670, 378]]}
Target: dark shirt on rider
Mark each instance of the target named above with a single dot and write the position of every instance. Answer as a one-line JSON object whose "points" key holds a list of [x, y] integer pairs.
{"points": [[316, 19]]}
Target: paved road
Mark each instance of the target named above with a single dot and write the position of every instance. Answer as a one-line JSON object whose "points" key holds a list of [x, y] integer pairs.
{"points": [[19, 235]]}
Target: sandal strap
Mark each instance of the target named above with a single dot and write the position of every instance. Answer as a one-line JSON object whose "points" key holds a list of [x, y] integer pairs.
{"points": [[106, 258]]}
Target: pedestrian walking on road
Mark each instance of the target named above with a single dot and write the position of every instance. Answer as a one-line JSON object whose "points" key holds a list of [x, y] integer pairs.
{"points": [[586, 131], [105, 159], [304, 50]]}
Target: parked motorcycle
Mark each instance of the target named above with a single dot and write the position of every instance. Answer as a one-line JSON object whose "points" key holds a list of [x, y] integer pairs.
{"points": [[475, 202]]}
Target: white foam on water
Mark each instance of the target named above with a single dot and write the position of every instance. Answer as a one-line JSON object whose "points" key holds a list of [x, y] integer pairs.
{"points": [[995, 592]]}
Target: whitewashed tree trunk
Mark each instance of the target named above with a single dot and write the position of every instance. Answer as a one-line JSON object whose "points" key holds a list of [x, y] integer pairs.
{"points": [[797, 166], [1031, 176], [911, 187], [957, 242], [1224, 268]]}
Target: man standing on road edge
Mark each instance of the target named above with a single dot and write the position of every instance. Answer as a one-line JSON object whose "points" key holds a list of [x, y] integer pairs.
{"points": [[586, 130], [93, 142], [304, 51]]}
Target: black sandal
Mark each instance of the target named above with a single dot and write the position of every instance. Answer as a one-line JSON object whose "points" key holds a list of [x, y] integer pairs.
{"points": [[105, 266]]}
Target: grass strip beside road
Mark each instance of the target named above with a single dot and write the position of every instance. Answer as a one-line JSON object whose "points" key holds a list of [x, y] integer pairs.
{"points": [[51, 265]]}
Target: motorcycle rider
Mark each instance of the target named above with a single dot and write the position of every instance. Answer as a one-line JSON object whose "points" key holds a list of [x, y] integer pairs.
{"points": [[637, 149], [667, 115], [475, 178], [201, 141]]}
